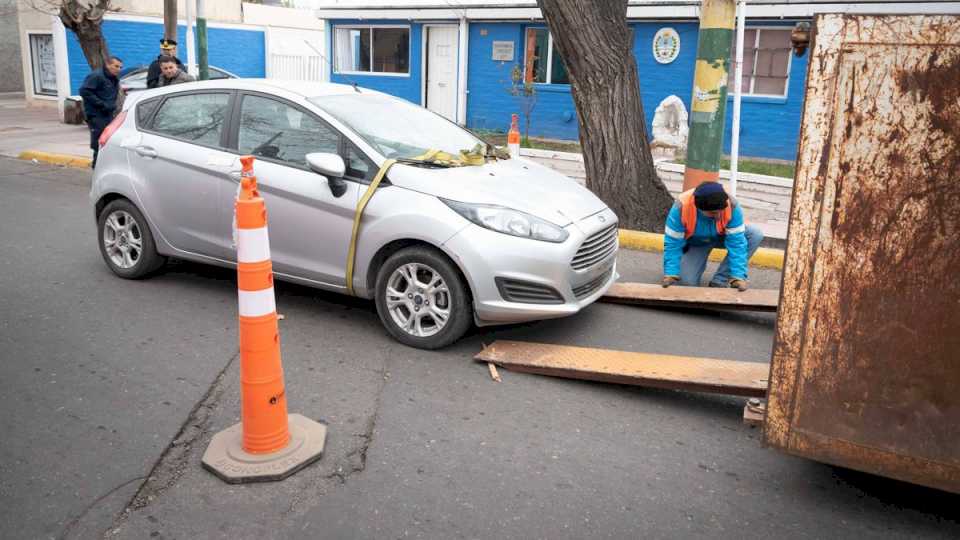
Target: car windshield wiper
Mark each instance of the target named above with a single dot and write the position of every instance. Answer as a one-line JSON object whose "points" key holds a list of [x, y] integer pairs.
{"points": [[426, 163]]}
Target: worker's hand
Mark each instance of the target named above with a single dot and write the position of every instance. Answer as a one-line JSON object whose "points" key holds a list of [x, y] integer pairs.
{"points": [[668, 281], [738, 284]]}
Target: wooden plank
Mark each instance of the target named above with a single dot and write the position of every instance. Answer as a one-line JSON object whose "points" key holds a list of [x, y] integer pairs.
{"points": [[693, 297], [493, 372], [634, 368]]}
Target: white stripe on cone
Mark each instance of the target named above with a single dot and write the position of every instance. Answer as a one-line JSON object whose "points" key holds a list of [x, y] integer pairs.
{"points": [[253, 245], [257, 303]]}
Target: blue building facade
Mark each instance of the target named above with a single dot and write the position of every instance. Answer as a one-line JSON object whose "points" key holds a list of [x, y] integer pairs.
{"points": [[769, 124], [137, 42]]}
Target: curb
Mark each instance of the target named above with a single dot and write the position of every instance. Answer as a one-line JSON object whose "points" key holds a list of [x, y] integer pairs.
{"points": [[645, 241], [65, 160]]}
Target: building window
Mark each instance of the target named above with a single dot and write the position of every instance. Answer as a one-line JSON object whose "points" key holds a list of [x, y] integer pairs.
{"points": [[44, 65], [766, 62], [372, 49], [542, 62]]}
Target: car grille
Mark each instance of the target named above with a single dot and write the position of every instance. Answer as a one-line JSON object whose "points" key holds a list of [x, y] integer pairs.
{"points": [[597, 247], [591, 286], [514, 290]]}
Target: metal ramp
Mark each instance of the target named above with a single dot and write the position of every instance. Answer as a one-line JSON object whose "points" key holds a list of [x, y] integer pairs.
{"points": [[693, 297], [639, 369]]}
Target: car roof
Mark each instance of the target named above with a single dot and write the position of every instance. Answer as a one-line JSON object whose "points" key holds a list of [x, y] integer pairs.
{"points": [[306, 89]]}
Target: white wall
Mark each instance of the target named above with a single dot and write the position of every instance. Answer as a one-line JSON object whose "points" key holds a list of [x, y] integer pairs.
{"points": [[295, 45], [278, 16], [216, 10]]}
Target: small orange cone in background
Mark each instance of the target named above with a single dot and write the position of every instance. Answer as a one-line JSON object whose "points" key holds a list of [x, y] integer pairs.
{"points": [[513, 136], [267, 444]]}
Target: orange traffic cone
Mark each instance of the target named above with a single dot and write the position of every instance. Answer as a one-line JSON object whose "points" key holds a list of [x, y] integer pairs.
{"points": [[513, 137], [268, 444]]}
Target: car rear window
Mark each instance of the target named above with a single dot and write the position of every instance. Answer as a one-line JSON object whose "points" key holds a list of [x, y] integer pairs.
{"points": [[197, 118], [145, 111]]}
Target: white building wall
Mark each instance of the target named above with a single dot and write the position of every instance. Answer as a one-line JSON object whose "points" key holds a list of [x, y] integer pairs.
{"points": [[296, 48]]}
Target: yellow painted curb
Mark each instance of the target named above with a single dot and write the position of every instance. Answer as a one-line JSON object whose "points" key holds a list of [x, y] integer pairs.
{"points": [[66, 160], [644, 241]]}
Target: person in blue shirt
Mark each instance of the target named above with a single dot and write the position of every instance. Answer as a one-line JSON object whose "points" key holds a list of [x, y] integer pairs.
{"points": [[99, 92], [700, 220]]}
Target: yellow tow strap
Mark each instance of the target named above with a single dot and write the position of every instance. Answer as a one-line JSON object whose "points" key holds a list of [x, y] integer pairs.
{"points": [[352, 253], [472, 157]]}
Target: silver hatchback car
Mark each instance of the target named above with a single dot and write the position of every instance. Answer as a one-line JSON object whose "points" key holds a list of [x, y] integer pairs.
{"points": [[439, 247]]}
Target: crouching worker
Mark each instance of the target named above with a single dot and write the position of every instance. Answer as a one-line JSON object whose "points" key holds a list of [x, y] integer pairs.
{"points": [[700, 220]]}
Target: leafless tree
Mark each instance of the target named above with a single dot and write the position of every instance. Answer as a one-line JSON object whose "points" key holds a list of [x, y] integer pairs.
{"points": [[84, 18], [597, 48]]}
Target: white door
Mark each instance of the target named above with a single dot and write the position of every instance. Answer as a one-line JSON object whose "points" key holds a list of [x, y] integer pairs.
{"points": [[442, 70]]}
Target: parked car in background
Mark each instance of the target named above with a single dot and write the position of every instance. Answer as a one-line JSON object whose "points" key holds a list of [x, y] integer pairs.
{"points": [[134, 79], [440, 247]]}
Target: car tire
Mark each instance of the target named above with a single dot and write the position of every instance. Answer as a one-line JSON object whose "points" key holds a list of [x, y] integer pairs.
{"points": [[126, 242], [428, 311]]}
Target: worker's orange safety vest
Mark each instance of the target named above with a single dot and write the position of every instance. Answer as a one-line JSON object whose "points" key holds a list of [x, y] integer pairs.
{"points": [[688, 215]]}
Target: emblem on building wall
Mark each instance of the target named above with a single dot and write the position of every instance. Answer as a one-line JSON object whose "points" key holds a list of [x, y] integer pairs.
{"points": [[666, 45]]}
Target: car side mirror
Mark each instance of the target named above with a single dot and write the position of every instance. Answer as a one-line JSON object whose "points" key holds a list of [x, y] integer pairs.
{"points": [[331, 166]]}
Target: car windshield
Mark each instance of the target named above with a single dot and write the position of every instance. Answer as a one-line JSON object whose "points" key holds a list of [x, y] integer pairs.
{"points": [[397, 128]]}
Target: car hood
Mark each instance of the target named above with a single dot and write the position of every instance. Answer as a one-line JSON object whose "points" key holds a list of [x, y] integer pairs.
{"points": [[515, 183]]}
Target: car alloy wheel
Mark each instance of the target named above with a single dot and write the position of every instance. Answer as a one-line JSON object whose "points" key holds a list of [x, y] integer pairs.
{"points": [[122, 239], [418, 299]]}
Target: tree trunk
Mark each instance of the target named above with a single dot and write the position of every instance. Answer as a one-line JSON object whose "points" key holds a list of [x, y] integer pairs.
{"points": [[170, 19], [596, 45], [85, 21]]}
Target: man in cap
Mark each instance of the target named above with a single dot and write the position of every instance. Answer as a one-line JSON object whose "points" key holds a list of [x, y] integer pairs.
{"points": [[700, 220], [168, 47]]}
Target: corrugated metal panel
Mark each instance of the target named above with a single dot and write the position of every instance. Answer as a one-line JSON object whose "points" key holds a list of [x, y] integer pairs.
{"points": [[866, 364]]}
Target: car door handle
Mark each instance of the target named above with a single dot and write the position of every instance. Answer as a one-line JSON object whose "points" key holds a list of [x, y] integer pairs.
{"points": [[146, 151], [235, 175]]}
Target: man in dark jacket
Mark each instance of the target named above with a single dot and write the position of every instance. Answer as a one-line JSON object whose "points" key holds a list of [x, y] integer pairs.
{"points": [[99, 93], [168, 47]]}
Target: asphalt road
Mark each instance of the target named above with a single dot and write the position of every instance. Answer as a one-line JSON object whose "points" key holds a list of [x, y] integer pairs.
{"points": [[111, 390]]}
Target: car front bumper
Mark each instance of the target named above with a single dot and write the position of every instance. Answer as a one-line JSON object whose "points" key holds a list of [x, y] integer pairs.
{"points": [[487, 257]]}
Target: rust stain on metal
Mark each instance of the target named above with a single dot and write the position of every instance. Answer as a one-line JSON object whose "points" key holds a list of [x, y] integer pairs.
{"points": [[640, 369], [693, 297], [865, 367]]}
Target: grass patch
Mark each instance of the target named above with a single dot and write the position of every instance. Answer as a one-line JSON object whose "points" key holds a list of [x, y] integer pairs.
{"points": [[757, 166]]}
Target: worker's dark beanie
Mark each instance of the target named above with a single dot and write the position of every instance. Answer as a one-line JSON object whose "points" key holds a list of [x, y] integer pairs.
{"points": [[710, 196]]}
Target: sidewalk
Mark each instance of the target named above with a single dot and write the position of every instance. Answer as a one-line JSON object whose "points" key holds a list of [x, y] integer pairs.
{"points": [[25, 128], [766, 199]]}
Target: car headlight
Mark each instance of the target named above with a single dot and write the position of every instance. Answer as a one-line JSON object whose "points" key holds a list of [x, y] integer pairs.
{"points": [[508, 221]]}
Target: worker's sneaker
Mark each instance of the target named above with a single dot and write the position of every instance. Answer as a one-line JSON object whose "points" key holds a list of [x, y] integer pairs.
{"points": [[715, 284]]}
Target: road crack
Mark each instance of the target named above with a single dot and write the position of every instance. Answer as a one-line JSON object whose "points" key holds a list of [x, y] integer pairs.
{"points": [[73, 522], [356, 460], [175, 459]]}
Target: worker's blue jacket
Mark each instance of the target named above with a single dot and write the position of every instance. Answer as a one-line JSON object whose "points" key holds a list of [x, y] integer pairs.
{"points": [[676, 237]]}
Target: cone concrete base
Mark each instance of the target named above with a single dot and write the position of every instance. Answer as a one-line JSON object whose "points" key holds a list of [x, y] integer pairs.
{"points": [[226, 459]]}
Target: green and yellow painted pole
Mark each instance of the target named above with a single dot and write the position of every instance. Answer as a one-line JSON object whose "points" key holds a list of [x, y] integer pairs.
{"points": [[204, 66], [709, 103]]}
